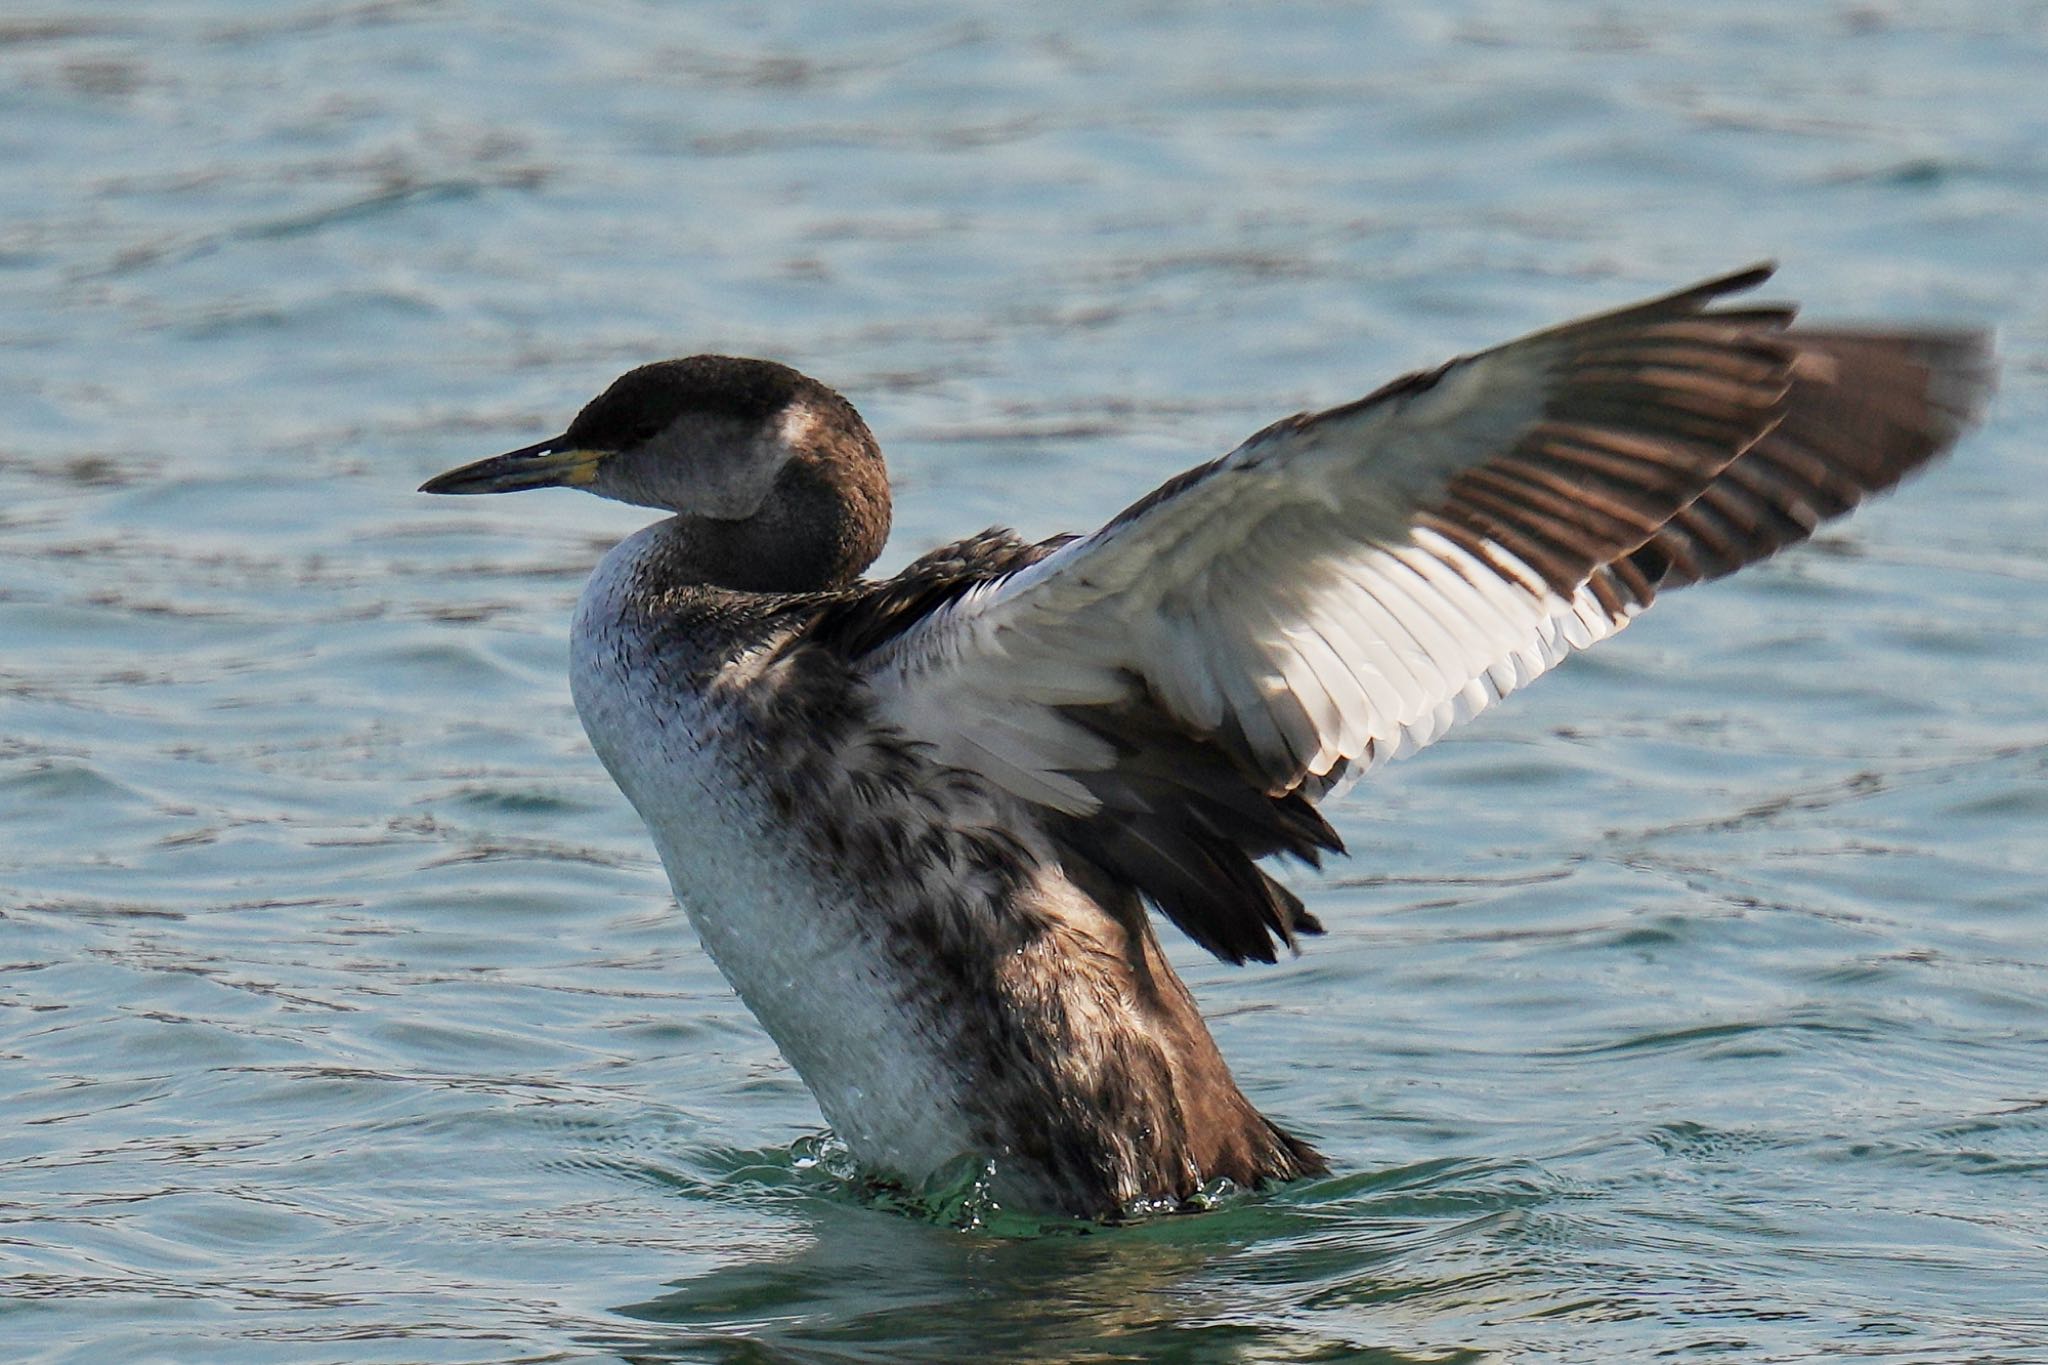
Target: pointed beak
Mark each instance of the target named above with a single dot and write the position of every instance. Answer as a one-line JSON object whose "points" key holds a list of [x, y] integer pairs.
{"points": [[550, 464]]}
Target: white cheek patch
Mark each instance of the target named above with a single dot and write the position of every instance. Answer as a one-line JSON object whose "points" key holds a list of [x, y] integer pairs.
{"points": [[730, 478]]}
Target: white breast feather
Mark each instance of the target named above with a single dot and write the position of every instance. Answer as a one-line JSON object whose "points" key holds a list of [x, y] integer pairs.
{"points": [[780, 933]]}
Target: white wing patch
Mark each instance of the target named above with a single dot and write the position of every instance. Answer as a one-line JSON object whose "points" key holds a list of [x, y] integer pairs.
{"points": [[1372, 655]]}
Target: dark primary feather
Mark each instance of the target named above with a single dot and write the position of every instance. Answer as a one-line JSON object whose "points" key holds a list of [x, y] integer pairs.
{"points": [[1183, 823], [1864, 410]]}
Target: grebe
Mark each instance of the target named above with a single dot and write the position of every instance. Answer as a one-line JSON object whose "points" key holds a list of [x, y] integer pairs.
{"points": [[916, 822]]}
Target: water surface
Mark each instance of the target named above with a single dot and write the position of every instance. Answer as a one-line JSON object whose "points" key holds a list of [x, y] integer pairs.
{"points": [[1691, 1005]]}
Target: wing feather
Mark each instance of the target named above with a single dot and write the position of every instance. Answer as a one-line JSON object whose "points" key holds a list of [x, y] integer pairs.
{"points": [[1178, 689]]}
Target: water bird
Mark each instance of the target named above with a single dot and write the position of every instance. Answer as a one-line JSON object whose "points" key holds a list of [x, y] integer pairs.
{"points": [[917, 821]]}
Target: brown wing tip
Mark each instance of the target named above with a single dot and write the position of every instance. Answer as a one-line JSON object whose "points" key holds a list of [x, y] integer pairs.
{"points": [[1694, 297], [1734, 282], [1720, 432], [1691, 301], [1962, 370], [1869, 407], [1936, 379]]}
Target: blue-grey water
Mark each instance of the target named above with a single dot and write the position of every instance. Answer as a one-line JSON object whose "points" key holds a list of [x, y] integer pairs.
{"points": [[1692, 1006]]}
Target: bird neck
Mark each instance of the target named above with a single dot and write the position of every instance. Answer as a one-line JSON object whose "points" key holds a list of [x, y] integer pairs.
{"points": [[823, 522]]}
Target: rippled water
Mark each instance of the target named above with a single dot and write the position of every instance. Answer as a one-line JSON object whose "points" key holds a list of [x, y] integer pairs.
{"points": [[1692, 1005]]}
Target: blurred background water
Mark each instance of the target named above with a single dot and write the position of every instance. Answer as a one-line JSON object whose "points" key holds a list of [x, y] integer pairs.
{"points": [[1690, 1006]]}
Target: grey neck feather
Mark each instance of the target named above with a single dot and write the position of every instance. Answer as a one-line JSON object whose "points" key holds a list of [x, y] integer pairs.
{"points": [[818, 526], [797, 503]]}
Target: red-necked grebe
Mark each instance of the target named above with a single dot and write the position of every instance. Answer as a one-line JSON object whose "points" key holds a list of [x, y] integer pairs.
{"points": [[917, 822]]}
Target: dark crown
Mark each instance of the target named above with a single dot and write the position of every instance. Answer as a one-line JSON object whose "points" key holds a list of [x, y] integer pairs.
{"points": [[641, 402]]}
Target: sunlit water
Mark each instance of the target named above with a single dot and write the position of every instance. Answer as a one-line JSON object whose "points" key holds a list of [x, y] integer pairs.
{"points": [[1690, 1006]]}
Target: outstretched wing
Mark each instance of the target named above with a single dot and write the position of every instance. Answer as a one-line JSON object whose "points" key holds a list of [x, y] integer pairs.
{"points": [[1176, 690]]}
